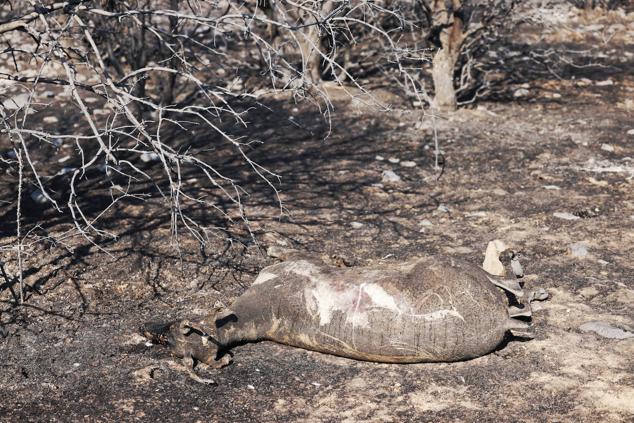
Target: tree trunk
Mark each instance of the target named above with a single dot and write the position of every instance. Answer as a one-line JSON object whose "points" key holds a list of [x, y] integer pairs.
{"points": [[442, 74], [450, 38]]}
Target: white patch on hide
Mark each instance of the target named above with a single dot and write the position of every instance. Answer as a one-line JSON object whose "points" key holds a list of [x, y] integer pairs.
{"points": [[302, 268], [380, 298], [323, 301], [263, 277], [438, 314]]}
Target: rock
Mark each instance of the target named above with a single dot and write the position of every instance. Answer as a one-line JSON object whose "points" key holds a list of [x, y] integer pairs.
{"points": [[65, 170], [356, 225], [605, 83], [584, 82], [379, 158], [630, 132], [393, 160], [607, 147], [552, 187], [426, 222], [408, 163], [149, 156], [389, 176], [443, 209], [556, 95], [476, 214], [522, 92], [606, 330], [16, 102], [39, 197], [50, 119], [492, 263], [566, 216], [578, 249]]}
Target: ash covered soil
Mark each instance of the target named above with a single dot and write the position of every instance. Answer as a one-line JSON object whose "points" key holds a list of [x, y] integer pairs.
{"points": [[551, 175]]}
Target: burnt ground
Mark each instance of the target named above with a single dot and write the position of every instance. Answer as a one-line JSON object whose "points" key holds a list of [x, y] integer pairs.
{"points": [[72, 352]]}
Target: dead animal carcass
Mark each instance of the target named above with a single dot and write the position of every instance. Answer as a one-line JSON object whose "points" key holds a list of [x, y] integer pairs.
{"points": [[425, 310]]}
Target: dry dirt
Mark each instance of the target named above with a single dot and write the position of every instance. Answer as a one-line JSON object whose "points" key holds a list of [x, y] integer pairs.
{"points": [[72, 352]]}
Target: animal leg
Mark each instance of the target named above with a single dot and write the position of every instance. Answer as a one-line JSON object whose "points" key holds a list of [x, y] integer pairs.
{"points": [[189, 364]]}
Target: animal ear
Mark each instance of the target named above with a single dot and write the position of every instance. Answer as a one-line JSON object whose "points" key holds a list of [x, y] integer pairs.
{"points": [[224, 316]]}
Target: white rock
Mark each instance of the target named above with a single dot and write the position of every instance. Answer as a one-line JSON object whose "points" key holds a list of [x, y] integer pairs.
{"points": [[443, 209], [356, 225], [389, 176], [408, 163], [38, 197], [50, 119], [522, 92], [426, 222], [379, 158], [630, 132], [16, 102], [65, 170], [606, 330], [578, 249], [552, 187], [556, 95], [150, 156], [566, 216], [492, 263], [476, 214], [607, 147], [605, 83], [393, 160]]}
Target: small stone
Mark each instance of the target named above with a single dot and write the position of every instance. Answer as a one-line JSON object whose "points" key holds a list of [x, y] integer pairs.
{"points": [[251, 387], [65, 170], [476, 214], [39, 197], [426, 222], [500, 191], [552, 187], [408, 163], [630, 132], [356, 225], [50, 119], [606, 330], [522, 92], [379, 158], [393, 160], [604, 83], [566, 216], [556, 95], [17, 102], [149, 156], [584, 82], [607, 147], [578, 249], [443, 209], [390, 176]]}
